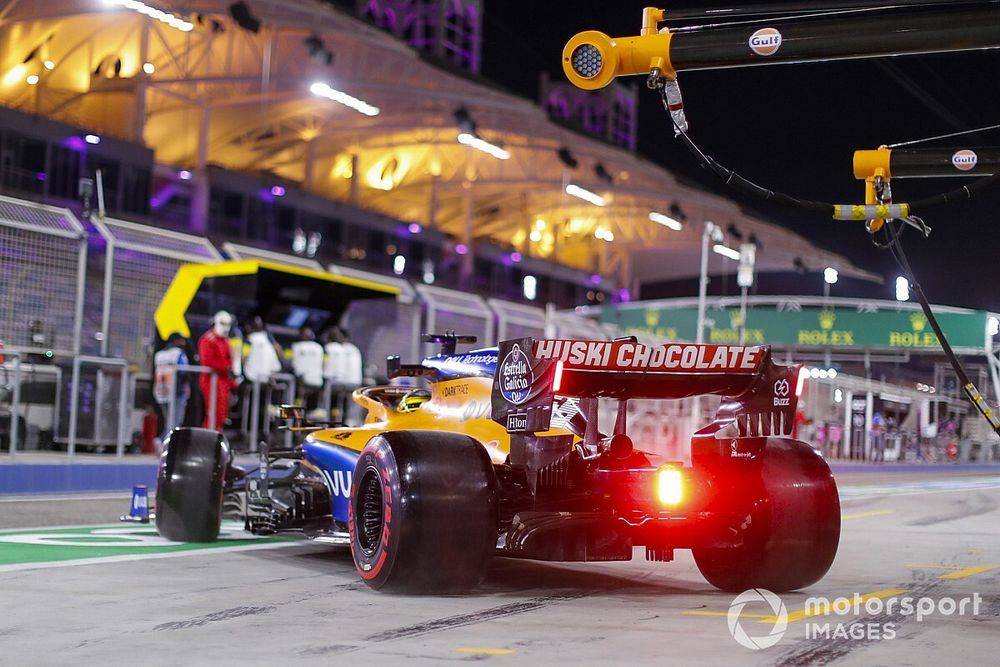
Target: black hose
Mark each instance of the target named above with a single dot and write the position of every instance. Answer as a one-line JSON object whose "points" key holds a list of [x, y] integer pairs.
{"points": [[967, 386]]}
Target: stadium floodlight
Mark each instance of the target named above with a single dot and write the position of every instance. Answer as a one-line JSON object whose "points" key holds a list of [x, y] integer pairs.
{"points": [[480, 144], [321, 89], [830, 275], [726, 251], [902, 289], [586, 195], [164, 17], [665, 220]]}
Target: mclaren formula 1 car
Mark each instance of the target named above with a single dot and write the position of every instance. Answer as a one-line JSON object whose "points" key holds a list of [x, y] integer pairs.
{"points": [[502, 455]]}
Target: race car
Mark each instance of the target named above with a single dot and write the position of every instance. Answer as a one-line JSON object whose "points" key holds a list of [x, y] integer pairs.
{"points": [[503, 455]]}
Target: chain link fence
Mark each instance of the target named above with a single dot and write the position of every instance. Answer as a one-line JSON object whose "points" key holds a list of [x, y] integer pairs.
{"points": [[43, 258]]}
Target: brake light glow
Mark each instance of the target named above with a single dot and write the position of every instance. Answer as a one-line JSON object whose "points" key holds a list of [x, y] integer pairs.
{"points": [[669, 485], [557, 377]]}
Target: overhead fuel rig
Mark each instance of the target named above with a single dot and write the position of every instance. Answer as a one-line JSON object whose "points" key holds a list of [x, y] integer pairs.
{"points": [[801, 33]]}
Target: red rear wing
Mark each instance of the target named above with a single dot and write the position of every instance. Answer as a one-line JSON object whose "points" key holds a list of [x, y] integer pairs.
{"points": [[625, 369], [530, 373]]}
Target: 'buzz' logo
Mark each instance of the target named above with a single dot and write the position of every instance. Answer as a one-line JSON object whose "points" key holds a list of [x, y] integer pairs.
{"points": [[781, 391]]}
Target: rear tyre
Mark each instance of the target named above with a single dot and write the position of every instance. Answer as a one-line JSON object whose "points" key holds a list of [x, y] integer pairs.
{"points": [[189, 485], [423, 512], [793, 528]]}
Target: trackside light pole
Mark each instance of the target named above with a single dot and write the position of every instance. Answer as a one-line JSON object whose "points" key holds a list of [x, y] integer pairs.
{"points": [[712, 233]]}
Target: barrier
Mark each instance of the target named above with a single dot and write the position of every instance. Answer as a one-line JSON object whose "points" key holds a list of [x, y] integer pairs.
{"points": [[124, 405], [254, 409], [15, 400], [213, 391]]}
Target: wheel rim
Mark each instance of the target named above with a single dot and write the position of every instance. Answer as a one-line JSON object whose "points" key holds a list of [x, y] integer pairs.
{"points": [[371, 513]]}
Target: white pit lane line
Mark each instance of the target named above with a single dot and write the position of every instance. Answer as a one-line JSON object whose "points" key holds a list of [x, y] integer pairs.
{"points": [[919, 488], [127, 537]]}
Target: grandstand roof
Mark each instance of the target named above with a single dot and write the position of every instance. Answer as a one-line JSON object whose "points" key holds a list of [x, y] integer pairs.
{"points": [[221, 94]]}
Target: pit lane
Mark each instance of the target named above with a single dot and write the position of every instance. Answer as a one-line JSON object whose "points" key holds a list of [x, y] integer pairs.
{"points": [[264, 601]]}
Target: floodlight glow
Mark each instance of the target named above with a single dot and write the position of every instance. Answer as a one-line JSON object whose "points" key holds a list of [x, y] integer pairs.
{"points": [[902, 289], [604, 234], [323, 90], [48, 64], [153, 13], [726, 251], [830, 275], [479, 144], [32, 79], [993, 325], [586, 195], [92, 139], [665, 220], [529, 286], [148, 68], [399, 265]]}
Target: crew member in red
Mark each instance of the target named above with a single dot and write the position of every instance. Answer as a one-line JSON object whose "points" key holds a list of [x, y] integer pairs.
{"points": [[214, 352]]}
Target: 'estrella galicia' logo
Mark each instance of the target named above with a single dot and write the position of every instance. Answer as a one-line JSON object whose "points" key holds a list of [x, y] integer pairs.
{"points": [[515, 376]]}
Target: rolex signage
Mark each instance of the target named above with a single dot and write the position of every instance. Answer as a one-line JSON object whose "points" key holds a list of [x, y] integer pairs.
{"points": [[875, 326]]}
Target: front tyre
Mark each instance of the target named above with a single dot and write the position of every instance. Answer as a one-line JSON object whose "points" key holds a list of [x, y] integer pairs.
{"points": [[189, 485], [423, 512], [792, 531]]}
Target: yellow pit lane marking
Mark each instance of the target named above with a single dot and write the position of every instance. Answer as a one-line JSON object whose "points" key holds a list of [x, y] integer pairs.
{"points": [[862, 515], [957, 571], [476, 650], [801, 614]]}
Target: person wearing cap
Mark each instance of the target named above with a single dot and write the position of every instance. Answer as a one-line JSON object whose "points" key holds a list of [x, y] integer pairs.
{"points": [[214, 352], [169, 377]]}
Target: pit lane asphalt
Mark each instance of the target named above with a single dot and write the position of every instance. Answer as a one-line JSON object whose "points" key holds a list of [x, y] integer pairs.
{"points": [[304, 603]]}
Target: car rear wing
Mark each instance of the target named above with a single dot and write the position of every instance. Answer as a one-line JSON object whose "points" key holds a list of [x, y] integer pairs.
{"points": [[759, 395]]}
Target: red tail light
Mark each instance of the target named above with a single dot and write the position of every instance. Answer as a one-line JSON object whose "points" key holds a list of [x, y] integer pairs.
{"points": [[669, 485]]}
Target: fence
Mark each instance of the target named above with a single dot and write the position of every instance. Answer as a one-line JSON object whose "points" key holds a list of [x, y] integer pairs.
{"points": [[448, 310], [141, 262], [517, 321], [43, 265]]}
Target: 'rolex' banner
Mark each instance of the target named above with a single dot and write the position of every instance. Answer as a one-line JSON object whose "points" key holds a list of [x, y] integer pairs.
{"points": [[872, 326]]}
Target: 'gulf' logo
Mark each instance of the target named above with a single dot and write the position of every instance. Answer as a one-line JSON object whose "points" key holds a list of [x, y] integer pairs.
{"points": [[765, 42], [964, 160]]}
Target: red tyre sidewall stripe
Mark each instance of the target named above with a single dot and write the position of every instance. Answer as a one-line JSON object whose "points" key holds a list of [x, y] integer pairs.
{"points": [[379, 457]]}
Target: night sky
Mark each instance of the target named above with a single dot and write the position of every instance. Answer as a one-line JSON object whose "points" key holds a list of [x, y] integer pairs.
{"points": [[793, 128]]}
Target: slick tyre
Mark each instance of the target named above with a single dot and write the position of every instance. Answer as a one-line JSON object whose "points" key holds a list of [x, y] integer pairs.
{"points": [[423, 512], [792, 531], [189, 485]]}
